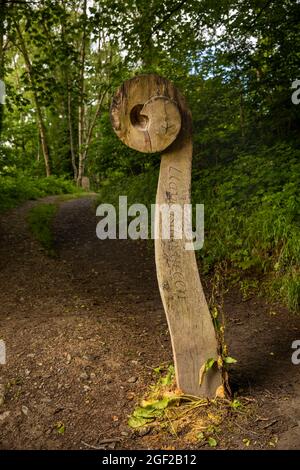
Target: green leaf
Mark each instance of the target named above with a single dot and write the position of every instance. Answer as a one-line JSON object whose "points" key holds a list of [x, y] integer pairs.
{"points": [[169, 377], [215, 312], [167, 380], [149, 412], [163, 403], [235, 404], [137, 422], [217, 324], [209, 364], [212, 442], [229, 360], [60, 428]]}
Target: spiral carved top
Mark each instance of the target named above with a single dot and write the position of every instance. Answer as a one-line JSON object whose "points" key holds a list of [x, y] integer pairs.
{"points": [[145, 115]]}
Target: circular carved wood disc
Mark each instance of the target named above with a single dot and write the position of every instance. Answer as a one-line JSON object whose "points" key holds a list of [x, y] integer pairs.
{"points": [[148, 120]]}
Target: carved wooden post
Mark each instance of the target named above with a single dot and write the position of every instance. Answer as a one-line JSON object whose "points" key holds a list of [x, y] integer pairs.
{"points": [[148, 114]]}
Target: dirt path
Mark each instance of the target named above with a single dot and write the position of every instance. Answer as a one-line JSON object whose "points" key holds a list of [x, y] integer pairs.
{"points": [[84, 330]]}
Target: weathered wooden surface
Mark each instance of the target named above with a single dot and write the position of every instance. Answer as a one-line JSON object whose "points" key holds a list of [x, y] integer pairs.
{"points": [[143, 121], [149, 114]]}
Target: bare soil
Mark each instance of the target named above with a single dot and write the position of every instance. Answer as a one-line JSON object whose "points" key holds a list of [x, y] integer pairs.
{"points": [[84, 330]]}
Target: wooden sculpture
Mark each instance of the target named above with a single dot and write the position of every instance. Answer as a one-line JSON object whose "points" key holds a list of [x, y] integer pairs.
{"points": [[149, 115]]}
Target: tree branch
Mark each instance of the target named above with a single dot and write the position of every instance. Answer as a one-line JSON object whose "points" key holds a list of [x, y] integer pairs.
{"points": [[165, 19]]}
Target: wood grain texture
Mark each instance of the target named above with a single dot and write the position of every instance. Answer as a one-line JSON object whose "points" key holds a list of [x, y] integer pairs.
{"points": [[149, 114]]}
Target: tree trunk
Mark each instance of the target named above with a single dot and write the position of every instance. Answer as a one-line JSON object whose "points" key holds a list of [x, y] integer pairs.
{"points": [[70, 125], [2, 18], [42, 130], [81, 167], [81, 110], [40, 119], [242, 114]]}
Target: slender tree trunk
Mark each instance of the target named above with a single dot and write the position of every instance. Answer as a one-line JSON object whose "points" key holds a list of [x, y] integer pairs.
{"points": [[2, 18], [38, 148], [69, 107], [40, 119], [242, 114], [70, 125], [81, 167], [86, 124], [81, 109], [42, 130]]}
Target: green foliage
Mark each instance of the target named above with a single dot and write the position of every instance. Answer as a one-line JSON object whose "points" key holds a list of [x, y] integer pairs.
{"points": [[60, 427], [40, 220], [150, 410], [140, 188], [18, 188], [252, 217], [110, 158], [209, 364], [160, 398], [168, 378], [235, 404]]}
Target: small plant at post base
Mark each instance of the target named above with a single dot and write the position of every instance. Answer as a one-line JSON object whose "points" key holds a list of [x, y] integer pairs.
{"points": [[166, 410], [217, 313]]}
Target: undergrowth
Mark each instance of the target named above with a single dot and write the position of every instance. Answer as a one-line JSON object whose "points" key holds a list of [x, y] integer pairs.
{"points": [[19, 188]]}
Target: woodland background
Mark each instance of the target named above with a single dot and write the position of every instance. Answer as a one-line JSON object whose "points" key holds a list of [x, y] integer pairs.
{"points": [[235, 61]]}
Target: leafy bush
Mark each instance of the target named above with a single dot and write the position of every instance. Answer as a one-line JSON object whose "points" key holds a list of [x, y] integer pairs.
{"points": [[19, 188], [252, 217]]}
